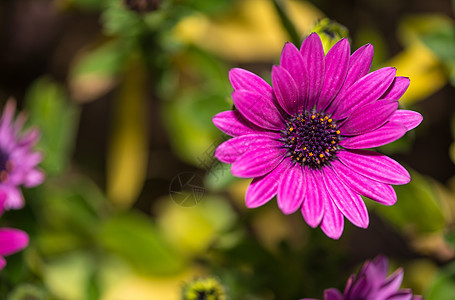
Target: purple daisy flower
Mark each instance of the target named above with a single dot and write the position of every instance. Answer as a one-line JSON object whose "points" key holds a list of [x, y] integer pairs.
{"points": [[18, 162], [11, 241], [372, 283], [301, 139]]}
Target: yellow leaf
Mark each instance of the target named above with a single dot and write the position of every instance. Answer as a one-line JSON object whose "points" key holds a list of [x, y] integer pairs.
{"points": [[135, 287], [423, 68], [128, 146], [252, 31]]}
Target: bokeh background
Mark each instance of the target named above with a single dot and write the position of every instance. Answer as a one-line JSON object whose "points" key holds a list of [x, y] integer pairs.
{"points": [[135, 206]]}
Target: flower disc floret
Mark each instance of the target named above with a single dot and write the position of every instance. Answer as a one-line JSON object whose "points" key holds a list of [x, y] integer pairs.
{"points": [[311, 139]]}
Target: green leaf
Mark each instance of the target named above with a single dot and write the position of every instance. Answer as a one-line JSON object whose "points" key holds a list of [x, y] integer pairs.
{"points": [[200, 97], [443, 286], [417, 207], [50, 111], [68, 276], [442, 42], [68, 211], [135, 238], [95, 71], [26, 291]]}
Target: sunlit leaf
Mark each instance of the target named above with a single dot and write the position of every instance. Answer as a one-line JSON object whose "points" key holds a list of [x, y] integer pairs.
{"points": [[128, 146], [95, 71], [140, 287], [250, 31], [193, 229], [67, 277], [50, 111], [424, 69], [418, 60]]}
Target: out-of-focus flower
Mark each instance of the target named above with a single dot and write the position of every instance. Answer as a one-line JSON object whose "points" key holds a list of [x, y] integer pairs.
{"points": [[11, 241], [18, 162], [372, 283], [204, 288], [301, 140]]}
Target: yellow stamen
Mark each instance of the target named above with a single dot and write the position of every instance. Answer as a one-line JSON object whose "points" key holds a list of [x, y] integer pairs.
{"points": [[329, 120], [310, 154], [337, 132], [321, 155]]}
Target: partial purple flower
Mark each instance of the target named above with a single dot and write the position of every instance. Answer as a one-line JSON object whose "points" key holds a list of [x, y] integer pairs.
{"points": [[18, 161], [302, 139], [11, 241], [372, 283]]}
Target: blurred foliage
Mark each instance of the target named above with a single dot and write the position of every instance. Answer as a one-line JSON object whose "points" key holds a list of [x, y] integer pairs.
{"points": [[418, 209], [126, 172], [123, 236], [51, 112]]}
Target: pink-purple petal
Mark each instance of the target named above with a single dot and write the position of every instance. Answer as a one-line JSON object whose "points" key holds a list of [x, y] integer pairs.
{"points": [[263, 189], [285, 90], [332, 294], [234, 124], [313, 204], [405, 294], [397, 88], [392, 283], [377, 191], [245, 80], [14, 198], [346, 200], [12, 240], [381, 265], [367, 89], [375, 166], [2, 262], [258, 110], [410, 119], [292, 61], [336, 68], [258, 163], [359, 66], [229, 151], [314, 62], [389, 132], [369, 117], [332, 221], [291, 190], [33, 178]]}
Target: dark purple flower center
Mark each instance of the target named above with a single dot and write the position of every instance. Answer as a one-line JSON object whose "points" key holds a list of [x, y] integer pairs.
{"points": [[5, 165], [311, 139]]}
